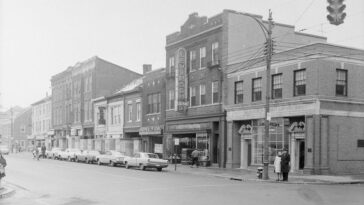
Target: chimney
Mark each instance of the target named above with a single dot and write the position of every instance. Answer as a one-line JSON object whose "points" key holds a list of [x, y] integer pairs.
{"points": [[147, 68]]}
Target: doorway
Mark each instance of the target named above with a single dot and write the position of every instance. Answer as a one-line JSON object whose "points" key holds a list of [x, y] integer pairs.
{"points": [[249, 152], [301, 154]]}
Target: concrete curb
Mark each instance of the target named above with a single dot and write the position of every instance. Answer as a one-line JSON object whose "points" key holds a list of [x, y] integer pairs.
{"points": [[6, 192], [299, 181]]}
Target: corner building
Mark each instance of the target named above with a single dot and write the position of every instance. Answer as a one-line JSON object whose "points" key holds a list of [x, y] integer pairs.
{"points": [[197, 57], [316, 109]]}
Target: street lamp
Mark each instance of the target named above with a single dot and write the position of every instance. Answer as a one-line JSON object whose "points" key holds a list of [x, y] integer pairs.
{"points": [[268, 53]]}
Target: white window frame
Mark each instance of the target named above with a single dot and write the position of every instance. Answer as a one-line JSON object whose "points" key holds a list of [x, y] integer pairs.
{"points": [[212, 92], [192, 88], [192, 53], [202, 55], [171, 63], [130, 112], [214, 46], [138, 107], [204, 86]]}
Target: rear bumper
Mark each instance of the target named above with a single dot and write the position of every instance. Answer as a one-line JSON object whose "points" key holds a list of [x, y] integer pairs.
{"points": [[152, 165]]}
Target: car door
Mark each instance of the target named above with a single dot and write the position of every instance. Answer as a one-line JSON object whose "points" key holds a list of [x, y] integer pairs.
{"points": [[106, 157], [135, 159]]}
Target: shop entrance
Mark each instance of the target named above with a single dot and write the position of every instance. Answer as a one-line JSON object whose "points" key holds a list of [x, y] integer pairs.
{"points": [[301, 154], [249, 152]]}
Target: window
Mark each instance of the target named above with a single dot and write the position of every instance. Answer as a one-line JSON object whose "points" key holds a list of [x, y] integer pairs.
{"points": [[257, 89], [277, 86], [171, 65], [101, 116], [215, 53], [299, 82], [171, 99], [341, 82], [138, 111], [202, 57], [215, 92], [202, 94], [85, 113], [193, 64], [239, 96], [130, 112], [193, 96], [112, 114], [154, 103]]}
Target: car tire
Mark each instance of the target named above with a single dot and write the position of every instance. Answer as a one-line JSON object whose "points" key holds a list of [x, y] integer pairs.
{"points": [[98, 162], [69, 158], [127, 165], [76, 159], [141, 167], [159, 169], [87, 161]]}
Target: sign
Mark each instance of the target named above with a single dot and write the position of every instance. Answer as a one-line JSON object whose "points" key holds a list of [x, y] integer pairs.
{"points": [[158, 148], [269, 116], [150, 130], [176, 141], [194, 126], [181, 81]]}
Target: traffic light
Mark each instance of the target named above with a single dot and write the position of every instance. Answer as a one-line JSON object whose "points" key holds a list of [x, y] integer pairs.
{"points": [[336, 8]]}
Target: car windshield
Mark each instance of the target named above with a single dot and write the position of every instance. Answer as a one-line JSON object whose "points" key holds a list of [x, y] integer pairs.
{"points": [[153, 156]]}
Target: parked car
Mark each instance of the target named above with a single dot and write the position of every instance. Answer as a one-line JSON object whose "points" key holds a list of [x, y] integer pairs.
{"points": [[4, 149], [68, 154], [112, 158], [53, 153], [145, 160], [88, 156]]}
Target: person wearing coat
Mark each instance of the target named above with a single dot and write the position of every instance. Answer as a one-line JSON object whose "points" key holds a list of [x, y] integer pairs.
{"points": [[2, 167], [285, 164], [277, 166]]}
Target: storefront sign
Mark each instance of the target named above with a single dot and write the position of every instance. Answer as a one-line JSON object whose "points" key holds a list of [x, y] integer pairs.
{"points": [[195, 126], [150, 130], [181, 81], [297, 127], [50, 132], [176, 141], [158, 148]]}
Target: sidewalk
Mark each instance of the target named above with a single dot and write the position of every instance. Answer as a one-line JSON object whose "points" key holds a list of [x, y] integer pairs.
{"points": [[6, 191], [251, 175]]}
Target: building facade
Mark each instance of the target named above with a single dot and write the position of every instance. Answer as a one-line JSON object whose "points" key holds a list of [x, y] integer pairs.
{"points": [[22, 130], [316, 110], [197, 60], [153, 110], [42, 132], [76, 87]]}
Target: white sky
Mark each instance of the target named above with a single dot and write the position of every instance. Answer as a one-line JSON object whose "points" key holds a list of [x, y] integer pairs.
{"points": [[40, 38]]}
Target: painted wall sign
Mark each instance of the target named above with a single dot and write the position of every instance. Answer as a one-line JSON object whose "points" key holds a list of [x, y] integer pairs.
{"points": [[150, 130], [181, 81], [195, 126]]}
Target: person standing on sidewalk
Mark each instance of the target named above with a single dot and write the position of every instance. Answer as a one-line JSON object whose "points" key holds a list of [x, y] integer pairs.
{"points": [[2, 168], [285, 164], [43, 151], [277, 165], [194, 155]]}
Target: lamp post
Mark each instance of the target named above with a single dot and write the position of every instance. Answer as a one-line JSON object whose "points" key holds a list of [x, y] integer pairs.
{"points": [[268, 53]]}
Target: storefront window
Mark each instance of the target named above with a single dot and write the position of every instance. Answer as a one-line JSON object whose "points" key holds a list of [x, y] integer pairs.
{"points": [[277, 140]]}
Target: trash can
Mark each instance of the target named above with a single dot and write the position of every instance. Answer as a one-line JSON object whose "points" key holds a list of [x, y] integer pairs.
{"points": [[260, 172]]}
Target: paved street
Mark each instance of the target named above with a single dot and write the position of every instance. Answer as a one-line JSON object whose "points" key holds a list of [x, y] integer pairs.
{"points": [[60, 182]]}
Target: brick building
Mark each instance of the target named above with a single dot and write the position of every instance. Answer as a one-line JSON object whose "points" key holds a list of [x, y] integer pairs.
{"points": [[317, 110], [197, 57], [22, 129], [153, 109], [41, 122], [73, 91]]}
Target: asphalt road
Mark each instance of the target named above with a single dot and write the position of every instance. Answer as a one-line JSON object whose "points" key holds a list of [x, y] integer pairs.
{"points": [[53, 182]]}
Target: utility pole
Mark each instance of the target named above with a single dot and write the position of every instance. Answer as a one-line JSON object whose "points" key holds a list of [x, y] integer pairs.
{"points": [[269, 45]]}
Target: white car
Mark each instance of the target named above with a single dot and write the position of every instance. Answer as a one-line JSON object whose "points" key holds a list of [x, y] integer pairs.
{"points": [[68, 154], [112, 158], [53, 153], [145, 160]]}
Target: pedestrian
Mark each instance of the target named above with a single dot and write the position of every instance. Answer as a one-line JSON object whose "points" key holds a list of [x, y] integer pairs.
{"points": [[285, 164], [36, 153], [43, 151], [277, 165], [2, 168], [194, 155]]}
